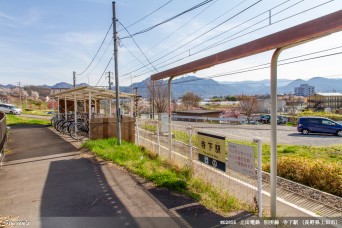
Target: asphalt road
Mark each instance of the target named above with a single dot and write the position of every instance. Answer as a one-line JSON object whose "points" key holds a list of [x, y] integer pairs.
{"points": [[47, 182], [285, 134]]}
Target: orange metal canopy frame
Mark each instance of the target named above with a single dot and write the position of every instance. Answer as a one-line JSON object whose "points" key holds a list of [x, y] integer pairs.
{"points": [[316, 28]]}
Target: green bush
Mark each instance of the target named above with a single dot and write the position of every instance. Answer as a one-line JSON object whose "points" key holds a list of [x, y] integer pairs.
{"points": [[332, 116], [313, 173]]}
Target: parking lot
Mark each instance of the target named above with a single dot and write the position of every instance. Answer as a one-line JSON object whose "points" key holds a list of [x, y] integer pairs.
{"points": [[285, 134]]}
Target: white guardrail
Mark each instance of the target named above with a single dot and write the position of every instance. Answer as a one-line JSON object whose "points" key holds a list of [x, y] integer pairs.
{"points": [[207, 119]]}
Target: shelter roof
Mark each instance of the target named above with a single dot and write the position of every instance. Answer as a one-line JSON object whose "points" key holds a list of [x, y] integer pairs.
{"points": [[82, 93]]}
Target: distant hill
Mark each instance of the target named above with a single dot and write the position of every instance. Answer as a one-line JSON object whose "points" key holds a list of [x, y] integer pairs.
{"points": [[199, 86], [65, 85], [209, 87]]}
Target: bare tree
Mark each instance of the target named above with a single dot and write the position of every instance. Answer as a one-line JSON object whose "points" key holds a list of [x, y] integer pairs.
{"points": [[293, 105], [158, 94], [34, 95], [190, 99], [248, 105]]}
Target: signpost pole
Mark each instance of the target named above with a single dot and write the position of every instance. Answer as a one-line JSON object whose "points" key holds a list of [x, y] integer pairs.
{"points": [[158, 138], [258, 141], [190, 142]]}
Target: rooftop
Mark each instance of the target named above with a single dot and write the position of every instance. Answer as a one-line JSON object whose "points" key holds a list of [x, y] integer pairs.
{"points": [[330, 94]]}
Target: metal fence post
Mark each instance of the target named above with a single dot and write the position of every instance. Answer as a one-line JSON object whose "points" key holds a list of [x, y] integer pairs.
{"points": [[259, 176], [190, 142], [158, 138]]}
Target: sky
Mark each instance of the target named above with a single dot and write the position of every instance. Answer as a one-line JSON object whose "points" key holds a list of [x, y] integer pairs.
{"points": [[44, 41]]}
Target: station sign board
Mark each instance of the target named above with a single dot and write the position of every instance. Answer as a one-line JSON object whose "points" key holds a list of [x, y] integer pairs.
{"points": [[212, 150]]}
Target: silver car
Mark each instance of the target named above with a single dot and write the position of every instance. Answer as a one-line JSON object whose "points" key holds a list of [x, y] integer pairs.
{"points": [[11, 109]]}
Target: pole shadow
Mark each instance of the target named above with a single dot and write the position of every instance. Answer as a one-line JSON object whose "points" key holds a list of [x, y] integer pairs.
{"points": [[76, 194]]}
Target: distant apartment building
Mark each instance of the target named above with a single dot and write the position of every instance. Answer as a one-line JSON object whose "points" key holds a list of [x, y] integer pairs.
{"points": [[304, 90], [325, 101]]}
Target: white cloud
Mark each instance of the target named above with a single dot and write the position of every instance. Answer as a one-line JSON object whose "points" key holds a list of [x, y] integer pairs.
{"points": [[7, 20]]}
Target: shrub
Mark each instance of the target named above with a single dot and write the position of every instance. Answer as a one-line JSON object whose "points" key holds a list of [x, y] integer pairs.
{"points": [[332, 116], [312, 173]]}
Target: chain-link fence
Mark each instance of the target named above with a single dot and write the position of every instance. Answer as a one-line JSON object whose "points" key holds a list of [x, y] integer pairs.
{"points": [[183, 148]]}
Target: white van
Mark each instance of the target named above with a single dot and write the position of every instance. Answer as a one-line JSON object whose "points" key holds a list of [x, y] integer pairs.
{"points": [[11, 109]]}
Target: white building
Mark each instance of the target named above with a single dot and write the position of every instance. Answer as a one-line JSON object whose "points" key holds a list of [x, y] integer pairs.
{"points": [[304, 90]]}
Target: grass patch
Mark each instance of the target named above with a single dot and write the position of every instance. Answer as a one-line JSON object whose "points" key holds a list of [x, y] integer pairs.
{"points": [[12, 120], [149, 127], [37, 112], [164, 174]]}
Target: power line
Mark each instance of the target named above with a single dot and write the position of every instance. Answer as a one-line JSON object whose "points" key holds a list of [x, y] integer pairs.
{"points": [[267, 18], [132, 53], [104, 71], [147, 15], [187, 23], [139, 47], [239, 13], [109, 44], [170, 19], [97, 50], [167, 37], [225, 39], [220, 42]]}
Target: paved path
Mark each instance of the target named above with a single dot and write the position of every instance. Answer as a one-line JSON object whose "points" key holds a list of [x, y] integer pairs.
{"points": [[47, 182]]}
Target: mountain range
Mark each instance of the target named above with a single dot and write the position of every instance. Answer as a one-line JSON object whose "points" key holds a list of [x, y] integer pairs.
{"points": [[207, 88]]}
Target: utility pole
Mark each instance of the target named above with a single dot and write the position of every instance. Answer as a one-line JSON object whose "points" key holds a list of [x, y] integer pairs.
{"points": [[109, 81], [118, 117], [74, 78], [136, 102], [21, 106], [153, 99]]}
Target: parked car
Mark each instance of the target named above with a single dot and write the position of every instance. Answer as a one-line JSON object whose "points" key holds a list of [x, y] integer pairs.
{"points": [[282, 120], [308, 125], [266, 119], [11, 109]]}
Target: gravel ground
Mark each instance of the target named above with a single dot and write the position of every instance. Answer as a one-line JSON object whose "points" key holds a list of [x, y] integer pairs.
{"points": [[285, 134]]}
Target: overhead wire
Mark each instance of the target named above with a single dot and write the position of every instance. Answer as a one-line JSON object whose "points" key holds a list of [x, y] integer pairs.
{"points": [[169, 19], [182, 58], [138, 47], [91, 71], [104, 70], [235, 15], [144, 17], [187, 22], [172, 46], [204, 49], [275, 22], [97, 50]]}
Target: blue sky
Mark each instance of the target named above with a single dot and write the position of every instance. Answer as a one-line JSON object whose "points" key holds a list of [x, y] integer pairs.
{"points": [[44, 41]]}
